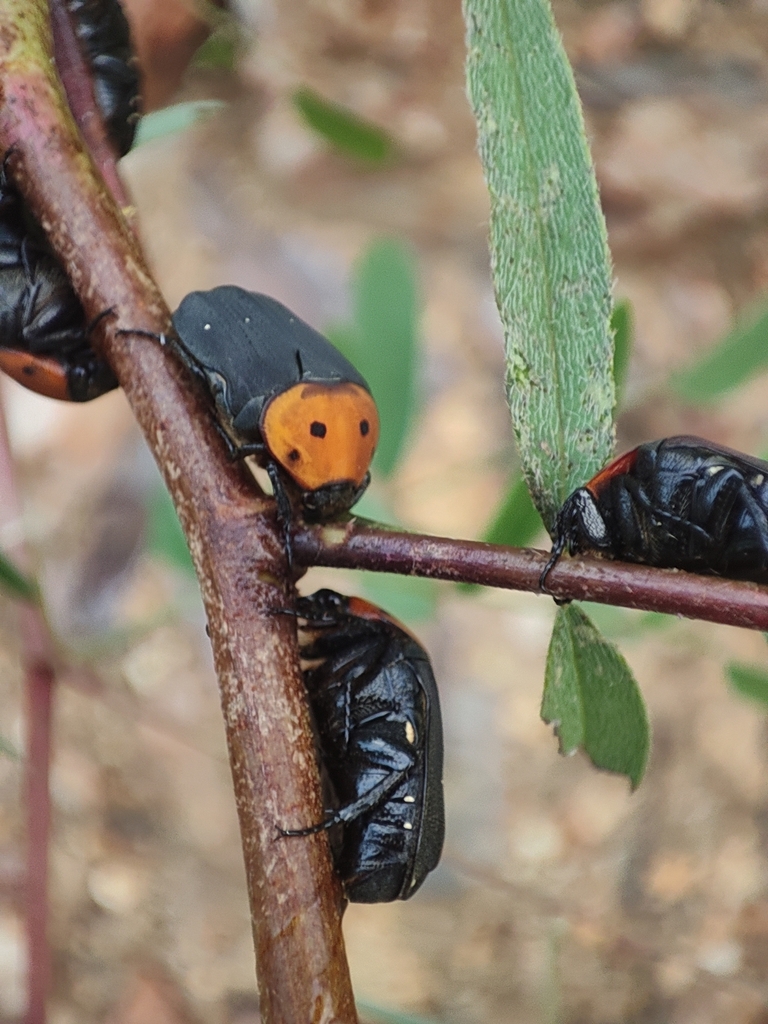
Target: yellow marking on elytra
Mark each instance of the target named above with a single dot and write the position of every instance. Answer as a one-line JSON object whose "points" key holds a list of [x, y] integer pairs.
{"points": [[410, 732]]}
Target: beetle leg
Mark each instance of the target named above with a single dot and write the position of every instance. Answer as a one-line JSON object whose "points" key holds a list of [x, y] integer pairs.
{"points": [[284, 510], [375, 796]]}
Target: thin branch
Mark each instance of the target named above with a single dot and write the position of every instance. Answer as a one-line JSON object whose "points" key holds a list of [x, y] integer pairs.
{"points": [[360, 544], [230, 528]]}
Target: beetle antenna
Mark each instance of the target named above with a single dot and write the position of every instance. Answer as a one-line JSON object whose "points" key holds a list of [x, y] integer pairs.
{"points": [[299, 363]]}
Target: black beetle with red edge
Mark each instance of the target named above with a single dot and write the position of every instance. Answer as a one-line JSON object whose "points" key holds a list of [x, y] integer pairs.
{"points": [[44, 335], [681, 502], [377, 713]]}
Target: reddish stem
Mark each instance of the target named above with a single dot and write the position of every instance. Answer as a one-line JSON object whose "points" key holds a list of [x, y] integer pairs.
{"points": [[40, 682], [363, 545], [76, 78]]}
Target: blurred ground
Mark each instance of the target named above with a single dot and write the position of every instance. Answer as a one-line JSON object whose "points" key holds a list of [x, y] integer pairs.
{"points": [[561, 898]]}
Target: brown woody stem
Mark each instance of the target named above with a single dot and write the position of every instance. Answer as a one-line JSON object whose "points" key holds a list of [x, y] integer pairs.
{"points": [[359, 544], [231, 530]]}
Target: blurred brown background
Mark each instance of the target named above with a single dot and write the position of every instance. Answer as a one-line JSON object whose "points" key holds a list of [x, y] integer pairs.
{"points": [[561, 898]]}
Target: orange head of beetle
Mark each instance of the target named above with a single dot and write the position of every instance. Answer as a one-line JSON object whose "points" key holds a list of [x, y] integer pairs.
{"points": [[324, 436]]}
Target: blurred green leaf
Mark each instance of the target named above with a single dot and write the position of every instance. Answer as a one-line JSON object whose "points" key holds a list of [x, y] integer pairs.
{"points": [[220, 50], [592, 699], [516, 523], [549, 249], [379, 1015], [177, 118], [410, 598], [622, 327], [7, 749], [166, 537], [625, 623], [742, 354], [382, 340], [750, 681], [345, 131], [16, 583]]}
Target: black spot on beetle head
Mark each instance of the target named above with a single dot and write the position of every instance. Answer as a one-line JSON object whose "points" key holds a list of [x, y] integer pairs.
{"points": [[318, 429], [364, 427], [294, 455]]}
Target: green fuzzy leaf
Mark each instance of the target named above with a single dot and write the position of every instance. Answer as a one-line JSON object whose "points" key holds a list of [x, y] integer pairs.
{"points": [[592, 699], [750, 681], [549, 249], [345, 131], [742, 354], [16, 583]]}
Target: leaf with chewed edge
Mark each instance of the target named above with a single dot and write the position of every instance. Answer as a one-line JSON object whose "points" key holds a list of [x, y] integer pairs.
{"points": [[592, 699]]}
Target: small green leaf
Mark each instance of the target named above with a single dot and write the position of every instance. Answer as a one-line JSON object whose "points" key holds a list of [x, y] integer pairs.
{"points": [[750, 681], [742, 354], [345, 131], [592, 699], [549, 248], [622, 327], [177, 118], [516, 522], [16, 583], [166, 537]]}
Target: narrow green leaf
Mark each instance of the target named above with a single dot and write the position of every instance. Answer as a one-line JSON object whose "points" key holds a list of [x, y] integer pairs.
{"points": [[166, 537], [177, 118], [592, 699], [742, 354], [16, 583], [516, 522], [750, 681], [344, 130], [549, 249], [622, 327], [381, 341]]}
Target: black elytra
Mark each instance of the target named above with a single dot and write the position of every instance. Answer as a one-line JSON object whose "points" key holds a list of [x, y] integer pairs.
{"points": [[283, 393], [681, 502], [377, 714], [44, 335]]}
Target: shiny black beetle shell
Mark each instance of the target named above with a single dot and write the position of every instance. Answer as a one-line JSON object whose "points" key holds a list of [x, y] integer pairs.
{"points": [[377, 713], [104, 33], [247, 348], [681, 502], [42, 323], [43, 332]]}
